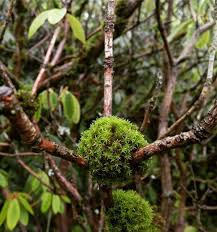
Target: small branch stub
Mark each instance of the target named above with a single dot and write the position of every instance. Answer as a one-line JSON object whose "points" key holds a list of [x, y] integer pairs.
{"points": [[108, 65]]}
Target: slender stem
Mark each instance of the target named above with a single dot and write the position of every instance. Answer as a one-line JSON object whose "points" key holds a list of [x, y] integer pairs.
{"points": [[108, 72], [46, 60], [8, 16]]}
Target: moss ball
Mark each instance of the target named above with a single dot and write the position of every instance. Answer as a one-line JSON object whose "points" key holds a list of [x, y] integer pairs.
{"points": [[129, 213], [108, 145]]}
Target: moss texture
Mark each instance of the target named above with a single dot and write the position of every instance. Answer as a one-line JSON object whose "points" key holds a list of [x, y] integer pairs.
{"points": [[130, 213], [27, 101], [108, 146]]}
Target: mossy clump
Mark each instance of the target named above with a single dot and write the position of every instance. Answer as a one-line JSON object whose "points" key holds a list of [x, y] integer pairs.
{"points": [[108, 145], [129, 213], [27, 101]]}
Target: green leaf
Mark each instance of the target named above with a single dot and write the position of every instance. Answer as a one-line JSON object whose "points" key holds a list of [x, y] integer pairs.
{"points": [[44, 177], [48, 99], [13, 214], [25, 204], [203, 40], [3, 181], [71, 107], [35, 184], [24, 217], [3, 213], [55, 15], [37, 114], [66, 199], [190, 229], [149, 5], [46, 199], [178, 29], [56, 204], [62, 207], [77, 28], [37, 23]]}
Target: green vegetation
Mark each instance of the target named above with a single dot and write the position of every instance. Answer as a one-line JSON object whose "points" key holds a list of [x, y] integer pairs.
{"points": [[108, 145], [130, 213]]}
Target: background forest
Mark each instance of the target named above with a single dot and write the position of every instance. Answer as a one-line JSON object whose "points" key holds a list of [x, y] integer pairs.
{"points": [[54, 69]]}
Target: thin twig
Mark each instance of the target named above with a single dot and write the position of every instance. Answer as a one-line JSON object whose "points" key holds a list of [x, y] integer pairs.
{"points": [[163, 34], [28, 169], [20, 154], [205, 91], [6, 22], [46, 60]]}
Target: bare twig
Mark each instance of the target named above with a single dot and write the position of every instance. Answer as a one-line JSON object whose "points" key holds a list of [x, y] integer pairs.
{"points": [[163, 34], [207, 84], [8, 16], [69, 187], [28, 169], [191, 43], [46, 60], [198, 133], [108, 73], [6, 77], [24, 154]]}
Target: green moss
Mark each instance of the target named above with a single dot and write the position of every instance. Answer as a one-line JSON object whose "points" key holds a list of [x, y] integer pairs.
{"points": [[130, 213], [28, 103], [108, 146]]}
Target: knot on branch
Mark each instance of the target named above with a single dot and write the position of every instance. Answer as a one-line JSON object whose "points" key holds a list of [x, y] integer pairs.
{"points": [[109, 25], [5, 92], [108, 63], [200, 133]]}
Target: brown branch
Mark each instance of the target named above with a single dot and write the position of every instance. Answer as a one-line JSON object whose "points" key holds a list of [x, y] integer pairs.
{"points": [[6, 77], [42, 71], [191, 43], [7, 19], [163, 34], [63, 181], [24, 154], [207, 85], [28, 132], [28, 169], [197, 134]]}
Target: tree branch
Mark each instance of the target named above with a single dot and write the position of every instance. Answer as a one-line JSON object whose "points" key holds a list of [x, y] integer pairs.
{"points": [[108, 72], [28, 132], [198, 133]]}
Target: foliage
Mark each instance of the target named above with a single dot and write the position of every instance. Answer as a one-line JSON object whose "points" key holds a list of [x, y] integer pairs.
{"points": [[108, 145], [70, 97], [130, 213]]}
